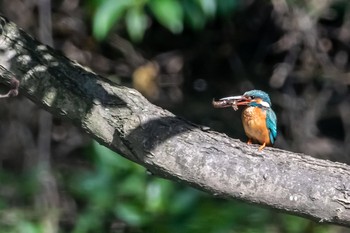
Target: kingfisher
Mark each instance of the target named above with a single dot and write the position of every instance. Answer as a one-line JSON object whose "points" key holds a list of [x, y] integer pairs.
{"points": [[259, 120]]}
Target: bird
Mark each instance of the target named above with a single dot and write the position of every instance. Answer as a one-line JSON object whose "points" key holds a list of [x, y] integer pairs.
{"points": [[258, 118]]}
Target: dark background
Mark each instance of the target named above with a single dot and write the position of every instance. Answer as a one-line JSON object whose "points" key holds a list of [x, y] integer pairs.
{"points": [[180, 55]]}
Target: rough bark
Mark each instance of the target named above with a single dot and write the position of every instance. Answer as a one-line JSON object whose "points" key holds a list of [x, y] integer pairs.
{"points": [[168, 146]]}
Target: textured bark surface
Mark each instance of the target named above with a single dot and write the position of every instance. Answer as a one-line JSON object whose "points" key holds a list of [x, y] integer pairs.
{"points": [[168, 146]]}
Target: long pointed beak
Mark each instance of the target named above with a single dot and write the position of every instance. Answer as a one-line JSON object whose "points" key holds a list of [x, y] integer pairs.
{"points": [[230, 101]]}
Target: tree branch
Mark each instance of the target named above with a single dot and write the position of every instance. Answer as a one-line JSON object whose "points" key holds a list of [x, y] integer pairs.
{"points": [[168, 146]]}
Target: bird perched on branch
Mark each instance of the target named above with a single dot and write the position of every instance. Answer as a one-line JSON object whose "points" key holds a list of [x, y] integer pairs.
{"points": [[259, 120]]}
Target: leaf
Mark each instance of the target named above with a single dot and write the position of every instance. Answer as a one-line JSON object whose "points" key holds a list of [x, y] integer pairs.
{"points": [[136, 23], [169, 13], [133, 185], [131, 213], [159, 194], [208, 7], [107, 15], [109, 159], [194, 15], [183, 200], [27, 227]]}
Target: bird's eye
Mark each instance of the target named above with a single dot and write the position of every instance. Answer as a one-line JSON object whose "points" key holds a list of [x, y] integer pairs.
{"points": [[252, 97]]}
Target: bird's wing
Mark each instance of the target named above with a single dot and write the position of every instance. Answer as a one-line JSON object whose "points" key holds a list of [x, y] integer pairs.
{"points": [[271, 123]]}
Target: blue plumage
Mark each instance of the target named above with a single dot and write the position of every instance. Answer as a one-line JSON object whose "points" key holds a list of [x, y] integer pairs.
{"points": [[271, 123], [258, 94]]}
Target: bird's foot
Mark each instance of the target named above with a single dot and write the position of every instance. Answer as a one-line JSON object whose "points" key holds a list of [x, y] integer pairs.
{"points": [[262, 146]]}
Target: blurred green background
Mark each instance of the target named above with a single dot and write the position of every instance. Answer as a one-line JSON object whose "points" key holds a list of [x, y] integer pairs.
{"points": [[180, 54]]}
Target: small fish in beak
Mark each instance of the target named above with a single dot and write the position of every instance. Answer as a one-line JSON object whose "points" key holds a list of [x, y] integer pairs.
{"points": [[231, 101]]}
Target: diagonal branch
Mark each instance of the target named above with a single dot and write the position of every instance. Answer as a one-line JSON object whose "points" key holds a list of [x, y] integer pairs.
{"points": [[168, 146]]}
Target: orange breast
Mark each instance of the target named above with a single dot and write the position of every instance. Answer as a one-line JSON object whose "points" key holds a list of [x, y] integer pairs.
{"points": [[254, 123]]}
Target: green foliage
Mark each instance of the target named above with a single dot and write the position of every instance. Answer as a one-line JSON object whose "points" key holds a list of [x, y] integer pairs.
{"points": [[172, 14], [136, 23], [20, 189], [115, 190], [107, 14], [169, 13], [119, 189]]}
